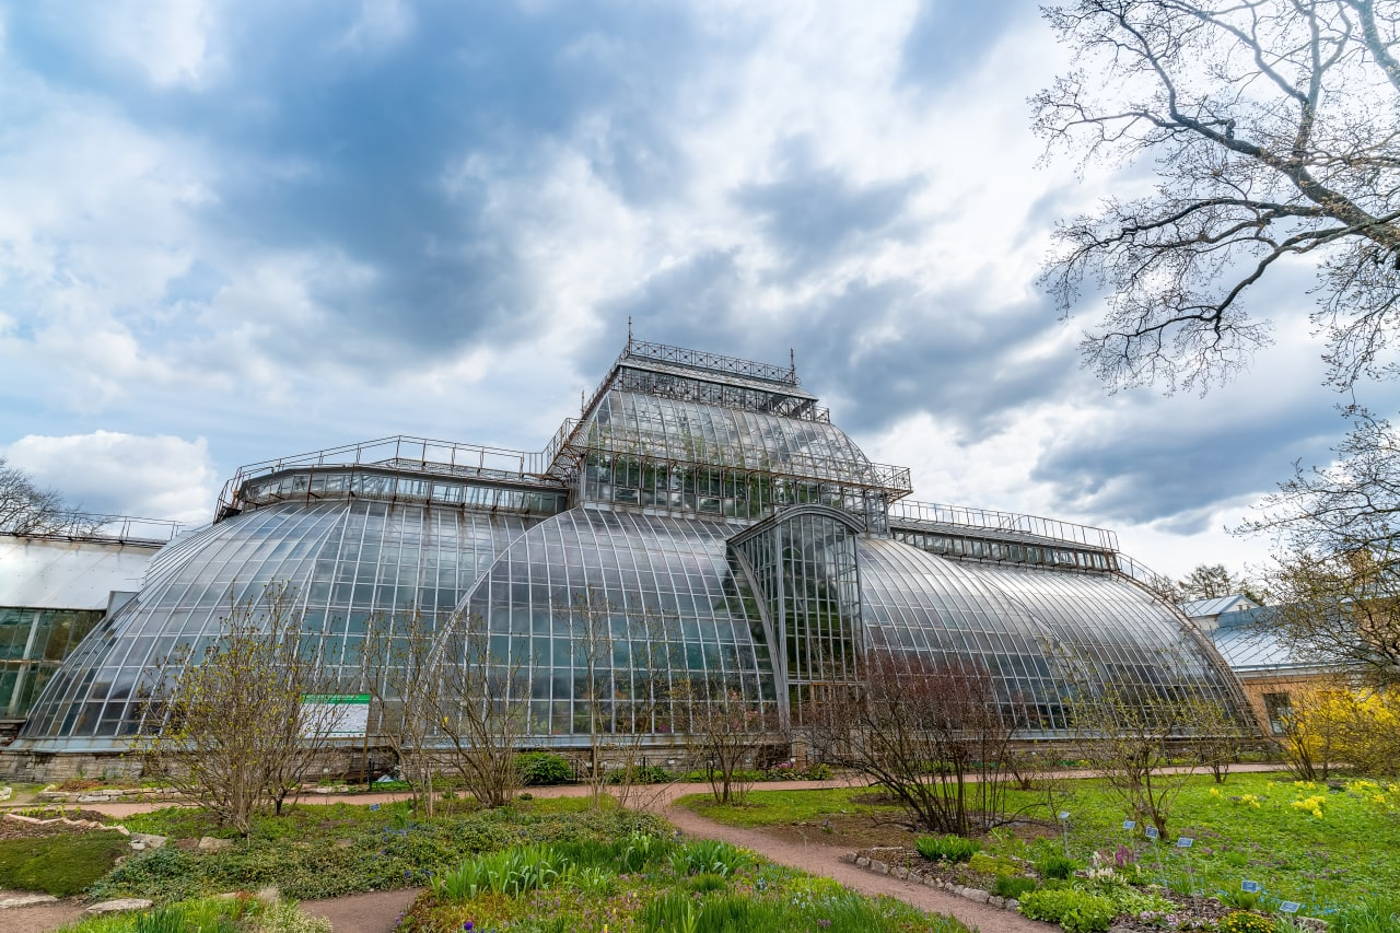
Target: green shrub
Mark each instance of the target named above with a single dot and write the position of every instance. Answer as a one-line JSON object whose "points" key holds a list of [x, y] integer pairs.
{"points": [[640, 774], [60, 865], [1013, 886], [1131, 900], [946, 848], [1242, 921], [1074, 910], [1242, 900], [539, 769], [1056, 866], [1378, 914]]}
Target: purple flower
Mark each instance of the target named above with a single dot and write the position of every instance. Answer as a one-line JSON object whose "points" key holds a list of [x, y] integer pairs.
{"points": [[468, 926]]}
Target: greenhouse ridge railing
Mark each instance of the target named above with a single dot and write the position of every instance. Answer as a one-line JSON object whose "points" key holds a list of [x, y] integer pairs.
{"points": [[937, 513], [117, 529]]}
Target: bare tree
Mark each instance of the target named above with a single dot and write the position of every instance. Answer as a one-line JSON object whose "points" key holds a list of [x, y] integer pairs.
{"points": [[1275, 131], [936, 735], [27, 509], [1211, 581], [1336, 575], [402, 676], [723, 731], [1217, 739], [235, 734], [1128, 731], [478, 711]]}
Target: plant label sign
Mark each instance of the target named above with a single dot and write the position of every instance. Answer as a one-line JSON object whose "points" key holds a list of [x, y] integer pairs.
{"points": [[1064, 816], [1130, 825], [1151, 832], [1184, 842], [1289, 907], [1250, 887], [335, 715], [373, 807]]}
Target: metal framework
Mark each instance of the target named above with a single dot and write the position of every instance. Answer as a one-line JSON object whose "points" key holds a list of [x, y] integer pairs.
{"points": [[702, 514]]}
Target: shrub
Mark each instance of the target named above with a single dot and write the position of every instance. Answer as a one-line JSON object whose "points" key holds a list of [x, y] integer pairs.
{"points": [[1055, 866], [1242, 921], [539, 769], [1013, 886], [706, 882], [1074, 910], [60, 865], [640, 774], [946, 848]]}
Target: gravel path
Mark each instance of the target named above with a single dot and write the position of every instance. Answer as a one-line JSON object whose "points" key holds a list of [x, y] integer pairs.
{"points": [[39, 918]]}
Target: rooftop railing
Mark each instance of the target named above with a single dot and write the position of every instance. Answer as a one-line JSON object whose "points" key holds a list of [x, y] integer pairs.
{"points": [[715, 362], [402, 453], [935, 513], [116, 529]]}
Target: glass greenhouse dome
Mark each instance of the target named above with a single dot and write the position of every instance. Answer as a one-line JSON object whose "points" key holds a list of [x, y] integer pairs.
{"points": [[730, 532]]}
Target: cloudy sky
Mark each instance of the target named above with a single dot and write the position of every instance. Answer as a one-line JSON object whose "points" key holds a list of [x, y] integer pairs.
{"points": [[231, 231]]}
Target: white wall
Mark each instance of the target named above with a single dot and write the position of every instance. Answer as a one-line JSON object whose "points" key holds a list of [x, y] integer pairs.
{"points": [[46, 574]]}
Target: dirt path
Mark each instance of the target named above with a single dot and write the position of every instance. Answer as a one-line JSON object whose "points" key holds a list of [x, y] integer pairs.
{"points": [[375, 912], [39, 918]]}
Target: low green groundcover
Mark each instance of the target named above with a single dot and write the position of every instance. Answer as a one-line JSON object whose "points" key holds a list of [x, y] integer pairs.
{"points": [[61, 864], [318, 851], [208, 915], [650, 883]]}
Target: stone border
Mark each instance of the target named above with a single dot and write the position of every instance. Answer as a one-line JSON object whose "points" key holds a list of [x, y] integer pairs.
{"points": [[51, 794], [875, 866]]}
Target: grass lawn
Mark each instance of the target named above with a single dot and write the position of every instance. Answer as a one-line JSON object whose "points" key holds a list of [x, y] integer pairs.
{"points": [[1246, 829], [59, 865]]}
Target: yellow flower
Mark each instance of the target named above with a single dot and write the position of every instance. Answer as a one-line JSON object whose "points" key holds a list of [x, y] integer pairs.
{"points": [[1215, 792]]}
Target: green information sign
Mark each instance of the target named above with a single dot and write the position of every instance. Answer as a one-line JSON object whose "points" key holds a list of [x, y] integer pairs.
{"points": [[336, 715]]}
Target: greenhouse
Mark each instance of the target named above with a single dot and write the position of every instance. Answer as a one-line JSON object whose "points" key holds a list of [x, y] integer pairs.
{"points": [[704, 506]]}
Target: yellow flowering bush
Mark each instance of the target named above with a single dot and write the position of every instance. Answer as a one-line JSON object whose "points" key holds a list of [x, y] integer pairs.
{"points": [[1343, 724]]}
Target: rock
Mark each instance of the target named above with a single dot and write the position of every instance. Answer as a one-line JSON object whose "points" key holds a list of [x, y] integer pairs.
{"points": [[213, 844], [977, 894], [269, 894], [147, 840], [25, 900], [138, 846], [1012, 903], [863, 861], [848, 857], [933, 882], [996, 901], [21, 818], [118, 905], [878, 866]]}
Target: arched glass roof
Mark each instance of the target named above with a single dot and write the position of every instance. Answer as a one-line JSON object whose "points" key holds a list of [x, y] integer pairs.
{"points": [[1031, 628], [653, 600], [342, 561]]}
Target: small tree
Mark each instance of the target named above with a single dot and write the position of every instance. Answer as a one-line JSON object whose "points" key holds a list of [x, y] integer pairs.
{"points": [[27, 509], [478, 712], [235, 734], [1127, 732], [403, 679], [1217, 738], [937, 735], [723, 731]]}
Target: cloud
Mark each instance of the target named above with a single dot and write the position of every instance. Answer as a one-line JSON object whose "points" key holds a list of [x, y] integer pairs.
{"points": [[123, 474], [288, 226]]}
